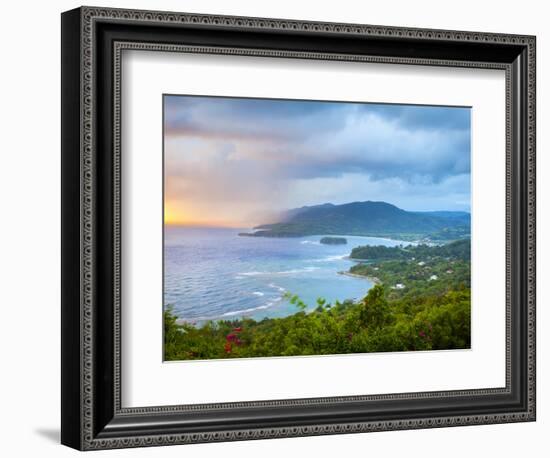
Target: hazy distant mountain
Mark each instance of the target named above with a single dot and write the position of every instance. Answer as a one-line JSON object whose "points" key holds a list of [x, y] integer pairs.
{"points": [[367, 218], [458, 217]]}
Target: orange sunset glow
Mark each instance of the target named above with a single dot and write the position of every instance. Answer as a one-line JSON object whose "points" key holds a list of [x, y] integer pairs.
{"points": [[176, 215]]}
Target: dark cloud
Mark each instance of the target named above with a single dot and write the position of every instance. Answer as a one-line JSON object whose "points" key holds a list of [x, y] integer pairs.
{"points": [[424, 116], [248, 118], [271, 144]]}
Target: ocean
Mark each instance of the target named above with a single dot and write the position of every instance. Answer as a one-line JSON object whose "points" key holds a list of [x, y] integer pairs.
{"points": [[212, 273]]}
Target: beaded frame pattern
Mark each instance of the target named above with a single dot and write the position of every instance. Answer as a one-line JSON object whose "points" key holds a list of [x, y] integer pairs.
{"points": [[89, 16]]}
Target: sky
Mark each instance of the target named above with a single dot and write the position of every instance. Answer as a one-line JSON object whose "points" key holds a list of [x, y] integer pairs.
{"points": [[239, 162]]}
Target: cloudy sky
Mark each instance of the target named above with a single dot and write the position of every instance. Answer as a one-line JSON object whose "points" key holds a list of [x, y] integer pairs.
{"points": [[237, 162]]}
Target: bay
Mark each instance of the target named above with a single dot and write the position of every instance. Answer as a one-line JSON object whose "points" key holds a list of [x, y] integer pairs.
{"points": [[213, 273]]}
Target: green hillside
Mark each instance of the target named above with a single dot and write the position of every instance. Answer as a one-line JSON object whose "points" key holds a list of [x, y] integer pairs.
{"points": [[368, 219]]}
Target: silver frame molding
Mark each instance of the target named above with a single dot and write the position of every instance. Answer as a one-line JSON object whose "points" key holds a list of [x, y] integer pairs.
{"points": [[93, 42]]}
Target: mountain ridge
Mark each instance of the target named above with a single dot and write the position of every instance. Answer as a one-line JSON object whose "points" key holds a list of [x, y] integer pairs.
{"points": [[368, 218]]}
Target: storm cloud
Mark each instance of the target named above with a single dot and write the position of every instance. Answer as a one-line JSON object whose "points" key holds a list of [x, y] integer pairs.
{"points": [[244, 153]]}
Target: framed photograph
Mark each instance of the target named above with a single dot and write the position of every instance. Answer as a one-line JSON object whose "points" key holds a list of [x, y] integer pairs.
{"points": [[276, 228]]}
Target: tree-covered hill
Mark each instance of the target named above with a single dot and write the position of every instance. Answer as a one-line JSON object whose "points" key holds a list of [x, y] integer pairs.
{"points": [[363, 218], [459, 250], [416, 270]]}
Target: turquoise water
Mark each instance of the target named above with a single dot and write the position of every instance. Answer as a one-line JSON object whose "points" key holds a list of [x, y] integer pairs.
{"points": [[215, 274]]}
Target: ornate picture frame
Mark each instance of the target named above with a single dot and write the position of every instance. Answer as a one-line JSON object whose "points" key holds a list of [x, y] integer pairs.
{"points": [[93, 416]]}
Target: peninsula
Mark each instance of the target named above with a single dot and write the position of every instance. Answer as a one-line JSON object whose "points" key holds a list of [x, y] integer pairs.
{"points": [[374, 219]]}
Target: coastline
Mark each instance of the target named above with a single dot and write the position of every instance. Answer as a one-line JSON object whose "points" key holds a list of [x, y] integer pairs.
{"points": [[263, 234], [257, 310], [374, 280]]}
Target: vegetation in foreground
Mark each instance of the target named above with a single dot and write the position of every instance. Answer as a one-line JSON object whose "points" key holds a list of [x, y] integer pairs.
{"points": [[374, 324], [421, 302]]}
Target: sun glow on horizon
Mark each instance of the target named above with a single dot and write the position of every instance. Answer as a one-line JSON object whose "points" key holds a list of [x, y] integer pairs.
{"points": [[204, 223], [174, 215]]}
